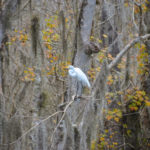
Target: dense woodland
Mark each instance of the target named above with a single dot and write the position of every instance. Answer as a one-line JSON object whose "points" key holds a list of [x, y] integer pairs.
{"points": [[42, 107]]}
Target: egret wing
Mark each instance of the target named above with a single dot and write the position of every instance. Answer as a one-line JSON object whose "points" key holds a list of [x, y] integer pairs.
{"points": [[82, 77]]}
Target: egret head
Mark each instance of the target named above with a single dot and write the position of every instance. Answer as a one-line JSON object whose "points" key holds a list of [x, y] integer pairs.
{"points": [[70, 67]]}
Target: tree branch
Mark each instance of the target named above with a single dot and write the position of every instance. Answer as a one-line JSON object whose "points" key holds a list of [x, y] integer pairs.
{"points": [[125, 49], [33, 127], [64, 113]]}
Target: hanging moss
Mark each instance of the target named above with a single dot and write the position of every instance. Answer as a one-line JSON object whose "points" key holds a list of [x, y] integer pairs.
{"points": [[43, 100], [34, 33]]}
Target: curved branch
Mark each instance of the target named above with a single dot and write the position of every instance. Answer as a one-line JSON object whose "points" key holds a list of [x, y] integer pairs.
{"points": [[64, 113], [125, 49]]}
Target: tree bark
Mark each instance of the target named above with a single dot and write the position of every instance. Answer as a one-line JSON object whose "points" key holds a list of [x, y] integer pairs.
{"points": [[5, 15]]}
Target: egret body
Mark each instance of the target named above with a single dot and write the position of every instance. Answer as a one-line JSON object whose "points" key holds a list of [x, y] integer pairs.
{"points": [[78, 74]]}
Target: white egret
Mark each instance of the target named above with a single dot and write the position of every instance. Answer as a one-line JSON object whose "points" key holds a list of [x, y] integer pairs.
{"points": [[78, 74]]}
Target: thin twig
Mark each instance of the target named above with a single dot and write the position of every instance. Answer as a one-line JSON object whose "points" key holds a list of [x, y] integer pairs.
{"points": [[32, 128], [64, 112], [136, 27]]}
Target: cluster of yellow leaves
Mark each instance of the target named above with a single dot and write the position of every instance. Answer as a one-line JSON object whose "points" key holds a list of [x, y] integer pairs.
{"points": [[105, 141], [102, 54], [142, 59], [51, 38], [18, 36], [136, 9], [59, 69], [29, 74], [136, 98], [144, 6], [109, 97], [51, 35], [52, 56], [97, 40], [114, 114], [51, 70], [62, 71], [23, 38], [110, 80], [92, 72]]}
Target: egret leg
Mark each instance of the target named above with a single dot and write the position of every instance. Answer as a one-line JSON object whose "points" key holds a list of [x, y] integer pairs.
{"points": [[81, 89], [77, 89]]}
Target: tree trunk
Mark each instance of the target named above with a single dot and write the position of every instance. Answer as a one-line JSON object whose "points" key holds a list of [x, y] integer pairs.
{"points": [[71, 130], [5, 15]]}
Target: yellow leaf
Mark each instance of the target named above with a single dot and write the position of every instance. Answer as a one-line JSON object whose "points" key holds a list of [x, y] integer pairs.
{"points": [[30, 69], [25, 77], [115, 143], [8, 43], [66, 20], [25, 71], [100, 41], [109, 101], [16, 30], [119, 103], [51, 31], [144, 7], [54, 121], [109, 117], [129, 132], [137, 9], [102, 139], [106, 131], [55, 58], [124, 125], [126, 4], [93, 144], [120, 93], [105, 36], [116, 119], [141, 65], [91, 37], [49, 47], [55, 37], [147, 103]]}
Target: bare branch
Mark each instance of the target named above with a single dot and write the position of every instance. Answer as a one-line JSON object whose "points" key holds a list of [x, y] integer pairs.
{"points": [[136, 27], [33, 128], [125, 49], [64, 112]]}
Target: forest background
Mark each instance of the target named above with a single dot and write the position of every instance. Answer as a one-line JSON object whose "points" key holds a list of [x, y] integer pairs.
{"points": [[109, 40]]}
